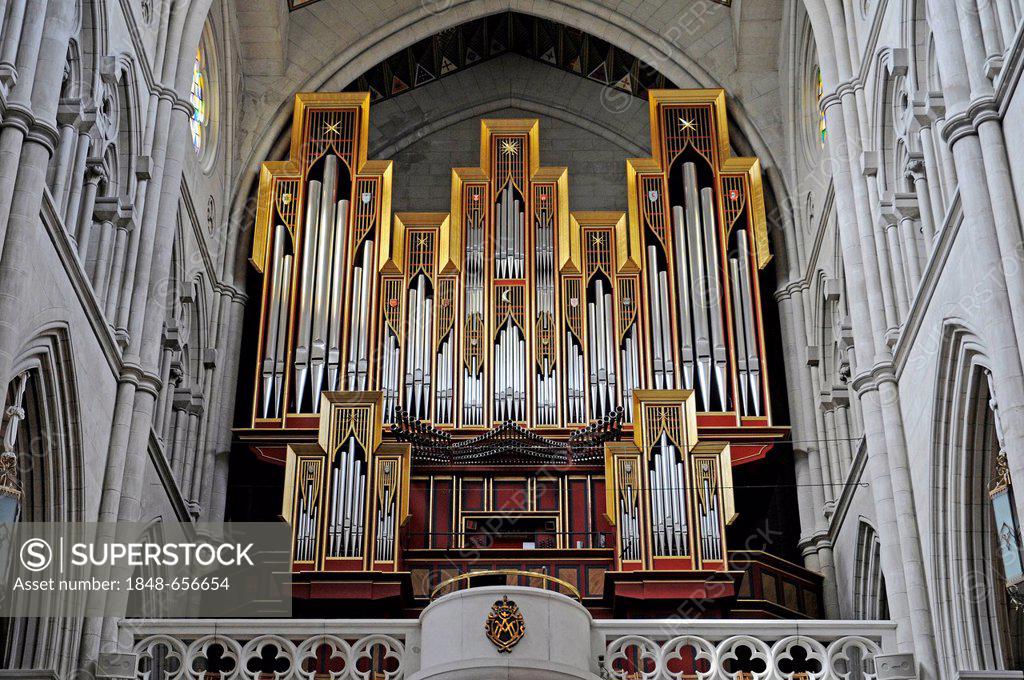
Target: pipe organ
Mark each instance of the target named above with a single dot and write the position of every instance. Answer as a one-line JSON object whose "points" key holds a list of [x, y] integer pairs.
{"points": [[565, 391]]}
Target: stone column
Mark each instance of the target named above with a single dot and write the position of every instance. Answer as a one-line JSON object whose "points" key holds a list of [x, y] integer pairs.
{"points": [[933, 170], [143, 173], [889, 309], [177, 451], [828, 415], [841, 401], [917, 174], [11, 40], [78, 172], [899, 273], [868, 346], [48, 29], [97, 263], [992, 37], [232, 343], [124, 228], [148, 331], [811, 501], [65, 155], [18, 54], [193, 452], [94, 173]]}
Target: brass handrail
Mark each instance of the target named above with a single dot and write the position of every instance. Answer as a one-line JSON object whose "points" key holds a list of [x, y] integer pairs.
{"points": [[470, 575]]}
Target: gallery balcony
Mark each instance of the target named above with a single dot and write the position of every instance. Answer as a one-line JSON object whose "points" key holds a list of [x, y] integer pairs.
{"points": [[462, 635]]}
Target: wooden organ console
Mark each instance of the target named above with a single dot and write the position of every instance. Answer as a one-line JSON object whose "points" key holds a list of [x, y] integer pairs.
{"points": [[511, 387]]}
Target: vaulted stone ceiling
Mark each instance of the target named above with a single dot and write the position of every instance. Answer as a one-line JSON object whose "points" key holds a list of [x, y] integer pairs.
{"points": [[340, 44], [477, 41], [301, 4]]}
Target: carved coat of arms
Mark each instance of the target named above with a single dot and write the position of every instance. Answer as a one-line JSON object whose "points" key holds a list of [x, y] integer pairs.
{"points": [[505, 625]]}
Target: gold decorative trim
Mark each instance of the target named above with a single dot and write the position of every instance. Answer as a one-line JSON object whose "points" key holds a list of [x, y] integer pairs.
{"points": [[469, 575]]}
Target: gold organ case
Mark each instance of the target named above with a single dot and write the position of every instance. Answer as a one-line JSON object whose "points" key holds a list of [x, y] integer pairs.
{"points": [[566, 392]]}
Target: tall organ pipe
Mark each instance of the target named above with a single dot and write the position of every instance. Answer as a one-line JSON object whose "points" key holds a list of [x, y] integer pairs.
{"points": [[336, 312], [695, 246], [740, 334], [707, 203], [749, 312], [683, 295], [654, 298], [303, 320], [321, 306], [279, 283]]}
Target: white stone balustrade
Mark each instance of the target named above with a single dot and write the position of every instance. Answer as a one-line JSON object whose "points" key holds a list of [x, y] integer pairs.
{"points": [[377, 649], [742, 650]]}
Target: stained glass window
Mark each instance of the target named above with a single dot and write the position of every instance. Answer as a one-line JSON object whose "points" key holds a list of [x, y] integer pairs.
{"points": [[200, 115], [822, 123]]}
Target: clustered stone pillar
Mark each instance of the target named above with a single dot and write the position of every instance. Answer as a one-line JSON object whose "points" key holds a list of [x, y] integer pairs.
{"points": [[869, 264]]}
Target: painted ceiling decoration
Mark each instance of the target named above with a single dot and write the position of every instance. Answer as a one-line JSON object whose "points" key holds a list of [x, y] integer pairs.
{"points": [[458, 48]]}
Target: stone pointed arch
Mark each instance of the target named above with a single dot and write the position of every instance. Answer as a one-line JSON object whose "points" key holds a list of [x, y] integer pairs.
{"points": [[49, 448], [978, 632], [869, 599]]}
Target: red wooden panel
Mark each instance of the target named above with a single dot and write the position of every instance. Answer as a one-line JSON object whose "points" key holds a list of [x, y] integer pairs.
{"points": [[442, 511], [510, 495], [420, 509], [547, 494], [473, 494]]}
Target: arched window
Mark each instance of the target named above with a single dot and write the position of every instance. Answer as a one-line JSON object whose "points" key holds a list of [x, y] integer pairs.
{"points": [[200, 104], [870, 601], [819, 92]]}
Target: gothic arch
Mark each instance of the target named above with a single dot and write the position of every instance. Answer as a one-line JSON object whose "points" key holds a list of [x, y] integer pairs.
{"points": [[973, 617], [892, 102], [398, 142], [49, 449], [622, 32], [869, 599]]}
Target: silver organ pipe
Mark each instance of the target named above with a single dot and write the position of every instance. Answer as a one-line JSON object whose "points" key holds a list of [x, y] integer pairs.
{"points": [[714, 292], [657, 509], [472, 372], [336, 314], [321, 301], [360, 514], [389, 374], [277, 327], [347, 482], [742, 369], [630, 371], [698, 282], [304, 319], [629, 521], [509, 382], [601, 324], [385, 526], [306, 525], [749, 365], [444, 390], [363, 277], [666, 330], [658, 349], [544, 272], [593, 363], [510, 253], [711, 530], [668, 507], [575, 380], [682, 295], [418, 352]]}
